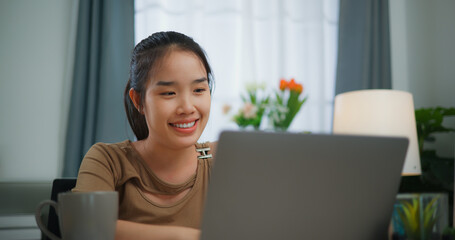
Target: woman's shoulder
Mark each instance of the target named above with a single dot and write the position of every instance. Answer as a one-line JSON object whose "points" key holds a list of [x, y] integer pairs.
{"points": [[102, 151], [102, 166], [103, 146]]}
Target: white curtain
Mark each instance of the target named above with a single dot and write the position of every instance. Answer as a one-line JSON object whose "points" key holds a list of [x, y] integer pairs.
{"points": [[256, 41]]}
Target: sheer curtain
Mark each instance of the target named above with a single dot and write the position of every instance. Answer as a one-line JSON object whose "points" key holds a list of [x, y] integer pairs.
{"points": [[256, 41]]}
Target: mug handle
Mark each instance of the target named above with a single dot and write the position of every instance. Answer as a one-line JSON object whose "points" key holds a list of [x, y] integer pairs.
{"points": [[39, 221]]}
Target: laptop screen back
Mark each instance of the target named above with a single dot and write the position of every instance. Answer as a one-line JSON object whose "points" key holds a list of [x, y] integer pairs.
{"points": [[302, 186]]}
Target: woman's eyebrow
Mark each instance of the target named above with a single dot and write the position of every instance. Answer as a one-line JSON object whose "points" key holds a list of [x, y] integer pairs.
{"points": [[164, 83], [200, 80], [171, 83]]}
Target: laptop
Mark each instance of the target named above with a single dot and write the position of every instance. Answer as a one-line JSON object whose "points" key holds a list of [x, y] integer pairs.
{"points": [[269, 185]]}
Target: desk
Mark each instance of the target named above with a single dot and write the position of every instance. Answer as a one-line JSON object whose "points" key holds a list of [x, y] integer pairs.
{"points": [[19, 227]]}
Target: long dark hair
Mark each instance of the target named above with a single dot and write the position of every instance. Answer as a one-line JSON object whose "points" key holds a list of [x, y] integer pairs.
{"points": [[145, 58]]}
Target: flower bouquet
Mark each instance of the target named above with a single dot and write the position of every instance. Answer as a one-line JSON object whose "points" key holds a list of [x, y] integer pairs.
{"points": [[253, 108], [286, 104]]}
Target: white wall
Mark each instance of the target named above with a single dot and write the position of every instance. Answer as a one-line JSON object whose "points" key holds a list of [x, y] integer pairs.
{"points": [[36, 42], [423, 57]]}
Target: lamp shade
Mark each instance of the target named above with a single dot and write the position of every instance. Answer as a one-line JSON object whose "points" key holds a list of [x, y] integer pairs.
{"points": [[379, 112]]}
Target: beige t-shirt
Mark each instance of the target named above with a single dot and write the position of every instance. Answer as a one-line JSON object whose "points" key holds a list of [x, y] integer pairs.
{"points": [[119, 167]]}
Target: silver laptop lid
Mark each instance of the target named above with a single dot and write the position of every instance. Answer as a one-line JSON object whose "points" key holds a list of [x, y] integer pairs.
{"points": [[302, 186]]}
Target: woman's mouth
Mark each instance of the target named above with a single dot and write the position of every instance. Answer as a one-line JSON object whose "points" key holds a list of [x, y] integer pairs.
{"points": [[183, 125]]}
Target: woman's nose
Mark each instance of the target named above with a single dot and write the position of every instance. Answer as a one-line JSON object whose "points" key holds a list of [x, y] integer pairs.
{"points": [[186, 105]]}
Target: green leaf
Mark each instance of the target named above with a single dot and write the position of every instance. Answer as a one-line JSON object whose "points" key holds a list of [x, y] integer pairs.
{"points": [[429, 219], [429, 121], [243, 99], [253, 97], [410, 216], [279, 98]]}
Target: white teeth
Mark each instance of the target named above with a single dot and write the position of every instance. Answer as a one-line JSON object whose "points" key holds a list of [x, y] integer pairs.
{"points": [[184, 125]]}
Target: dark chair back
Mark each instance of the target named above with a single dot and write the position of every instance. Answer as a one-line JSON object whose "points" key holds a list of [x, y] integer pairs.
{"points": [[59, 185]]}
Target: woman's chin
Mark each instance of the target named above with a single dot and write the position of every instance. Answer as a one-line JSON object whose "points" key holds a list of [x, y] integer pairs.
{"points": [[186, 141]]}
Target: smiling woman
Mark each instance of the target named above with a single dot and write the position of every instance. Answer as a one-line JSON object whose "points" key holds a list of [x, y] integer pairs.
{"points": [[177, 95], [161, 178]]}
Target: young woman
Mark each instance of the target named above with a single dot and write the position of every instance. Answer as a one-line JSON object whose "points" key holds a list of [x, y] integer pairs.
{"points": [[162, 177]]}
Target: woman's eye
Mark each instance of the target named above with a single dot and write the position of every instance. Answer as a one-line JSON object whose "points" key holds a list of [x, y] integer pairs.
{"points": [[199, 90], [167, 93]]}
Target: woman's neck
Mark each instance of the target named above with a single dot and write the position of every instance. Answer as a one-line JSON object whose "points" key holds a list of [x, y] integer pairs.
{"points": [[173, 165]]}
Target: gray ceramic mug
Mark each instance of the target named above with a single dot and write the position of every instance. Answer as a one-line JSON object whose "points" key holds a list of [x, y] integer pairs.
{"points": [[83, 215]]}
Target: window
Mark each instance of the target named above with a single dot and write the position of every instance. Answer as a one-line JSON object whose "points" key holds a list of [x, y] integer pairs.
{"points": [[256, 41]]}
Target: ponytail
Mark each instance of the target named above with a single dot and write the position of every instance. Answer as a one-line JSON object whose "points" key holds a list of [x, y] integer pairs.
{"points": [[135, 118]]}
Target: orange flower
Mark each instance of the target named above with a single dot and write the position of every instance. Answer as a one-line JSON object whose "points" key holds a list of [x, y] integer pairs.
{"points": [[283, 84], [292, 84], [290, 101], [298, 88]]}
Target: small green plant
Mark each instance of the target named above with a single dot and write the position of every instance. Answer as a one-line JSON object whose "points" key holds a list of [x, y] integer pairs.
{"points": [[437, 171], [418, 225]]}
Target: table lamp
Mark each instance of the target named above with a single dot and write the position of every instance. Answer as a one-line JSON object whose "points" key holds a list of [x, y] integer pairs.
{"points": [[379, 112]]}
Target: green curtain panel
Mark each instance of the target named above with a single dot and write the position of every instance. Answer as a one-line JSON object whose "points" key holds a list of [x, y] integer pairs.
{"points": [[105, 39], [363, 46]]}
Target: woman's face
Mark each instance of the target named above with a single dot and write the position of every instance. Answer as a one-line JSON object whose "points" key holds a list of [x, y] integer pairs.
{"points": [[177, 100]]}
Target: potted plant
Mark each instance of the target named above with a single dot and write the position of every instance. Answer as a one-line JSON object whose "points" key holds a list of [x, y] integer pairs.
{"points": [[437, 172], [420, 216]]}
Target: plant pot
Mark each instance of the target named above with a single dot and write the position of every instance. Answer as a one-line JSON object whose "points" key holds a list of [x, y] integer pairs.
{"points": [[422, 216]]}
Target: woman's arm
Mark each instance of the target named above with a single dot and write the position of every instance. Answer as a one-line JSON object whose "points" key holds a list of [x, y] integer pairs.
{"points": [[97, 173], [138, 231]]}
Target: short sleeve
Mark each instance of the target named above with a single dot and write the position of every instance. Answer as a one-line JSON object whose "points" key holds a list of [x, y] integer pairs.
{"points": [[97, 171]]}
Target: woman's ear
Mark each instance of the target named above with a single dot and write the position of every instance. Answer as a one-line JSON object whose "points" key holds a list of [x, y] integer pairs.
{"points": [[136, 99]]}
